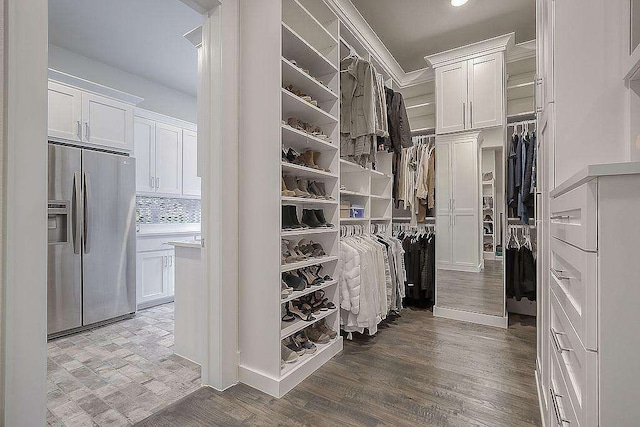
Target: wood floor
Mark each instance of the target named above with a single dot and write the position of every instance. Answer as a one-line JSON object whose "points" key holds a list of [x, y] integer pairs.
{"points": [[418, 370], [481, 292]]}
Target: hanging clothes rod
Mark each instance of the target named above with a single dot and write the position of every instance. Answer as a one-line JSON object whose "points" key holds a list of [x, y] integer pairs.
{"points": [[521, 123]]}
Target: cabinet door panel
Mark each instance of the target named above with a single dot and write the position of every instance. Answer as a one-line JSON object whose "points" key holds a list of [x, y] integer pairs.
{"points": [[152, 281], [190, 178], [486, 92], [443, 166], [465, 234], [144, 141], [168, 159], [65, 112], [107, 122], [451, 89], [464, 177], [443, 241]]}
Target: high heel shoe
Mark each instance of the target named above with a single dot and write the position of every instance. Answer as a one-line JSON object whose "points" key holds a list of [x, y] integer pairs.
{"points": [[300, 312], [311, 280], [294, 282], [295, 251]]}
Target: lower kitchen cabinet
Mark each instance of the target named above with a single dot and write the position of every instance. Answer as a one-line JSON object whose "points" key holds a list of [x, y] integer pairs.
{"points": [[155, 278]]}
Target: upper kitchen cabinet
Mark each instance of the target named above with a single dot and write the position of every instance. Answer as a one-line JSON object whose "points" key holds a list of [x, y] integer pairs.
{"points": [[470, 85], [166, 152], [89, 119], [190, 178]]}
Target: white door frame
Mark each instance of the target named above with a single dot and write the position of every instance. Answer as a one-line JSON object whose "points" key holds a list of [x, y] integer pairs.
{"points": [[23, 311]]}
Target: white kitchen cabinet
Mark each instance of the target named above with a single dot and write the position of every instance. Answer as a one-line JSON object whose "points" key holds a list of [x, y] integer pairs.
{"points": [[154, 276], [486, 90], [144, 150], [65, 112], [458, 204], [168, 159], [107, 122], [190, 179], [89, 119], [451, 102]]}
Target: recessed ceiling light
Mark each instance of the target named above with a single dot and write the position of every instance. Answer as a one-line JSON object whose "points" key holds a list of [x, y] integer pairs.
{"points": [[458, 2]]}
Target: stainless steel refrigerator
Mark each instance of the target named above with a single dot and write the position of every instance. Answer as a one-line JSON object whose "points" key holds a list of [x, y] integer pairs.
{"points": [[91, 268]]}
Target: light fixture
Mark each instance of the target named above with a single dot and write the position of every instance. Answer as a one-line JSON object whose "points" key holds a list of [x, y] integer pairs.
{"points": [[458, 2]]}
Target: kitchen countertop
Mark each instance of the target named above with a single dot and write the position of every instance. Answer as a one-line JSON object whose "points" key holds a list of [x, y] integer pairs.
{"points": [[167, 229]]}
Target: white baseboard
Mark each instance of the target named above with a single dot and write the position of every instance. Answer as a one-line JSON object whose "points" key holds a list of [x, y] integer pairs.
{"points": [[468, 316]]}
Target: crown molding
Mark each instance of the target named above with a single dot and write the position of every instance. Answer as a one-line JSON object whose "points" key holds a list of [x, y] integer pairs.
{"points": [[203, 7], [485, 47], [351, 19]]}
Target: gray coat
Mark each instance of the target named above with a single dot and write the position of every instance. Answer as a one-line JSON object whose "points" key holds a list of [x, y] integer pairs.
{"points": [[357, 98]]}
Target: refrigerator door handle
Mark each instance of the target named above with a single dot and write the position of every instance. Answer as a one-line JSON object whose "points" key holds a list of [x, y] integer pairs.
{"points": [[77, 200], [87, 201]]}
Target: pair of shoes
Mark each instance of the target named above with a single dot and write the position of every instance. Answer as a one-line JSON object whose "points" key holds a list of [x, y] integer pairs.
{"points": [[488, 218], [290, 218], [317, 301], [322, 325], [285, 290], [317, 334], [307, 128], [311, 249], [291, 252], [299, 344], [304, 96], [294, 281], [287, 355], [309, 158], [292, 187], [314, 218], [488, 229], [301, 310]]}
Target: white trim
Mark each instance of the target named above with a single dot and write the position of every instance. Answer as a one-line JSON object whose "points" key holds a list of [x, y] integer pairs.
{"points": [[24, 309], [195, 36], [540, 398], [463, 53], [468, 316], [157, 117], [97, 88]]}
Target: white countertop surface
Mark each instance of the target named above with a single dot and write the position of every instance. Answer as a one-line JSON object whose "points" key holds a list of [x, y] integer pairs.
{"points": [[167, 229], [594, 171], [194, 244]]}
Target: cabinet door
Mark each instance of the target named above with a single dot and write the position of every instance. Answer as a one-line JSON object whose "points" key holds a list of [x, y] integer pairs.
{"points": [[65, 112], [464, 235], [168, 159], [171, 273], [152, 280], [451, 98], [547, 55], [443, 242], [144, 142], [486, 91], [443, 178], [464, 177], [107, 122], [190, 178]]}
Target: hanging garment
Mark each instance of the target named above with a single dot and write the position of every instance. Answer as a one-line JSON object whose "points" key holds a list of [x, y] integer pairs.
{"points": [[511, 172], [357, 98], [399, 129], [382, 125], [420, 269]]}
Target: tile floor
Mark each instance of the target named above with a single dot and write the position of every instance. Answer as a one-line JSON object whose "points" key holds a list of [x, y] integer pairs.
{"points": [[118, 374]]}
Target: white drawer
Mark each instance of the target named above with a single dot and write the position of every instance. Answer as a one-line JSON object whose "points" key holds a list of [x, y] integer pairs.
{"points": [[561, 411], [574, 217], [579, 366], [574, 281]]}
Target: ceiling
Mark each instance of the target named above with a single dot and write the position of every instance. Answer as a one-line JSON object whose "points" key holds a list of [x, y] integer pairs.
{"points": [[413, 29], [142, 37]]}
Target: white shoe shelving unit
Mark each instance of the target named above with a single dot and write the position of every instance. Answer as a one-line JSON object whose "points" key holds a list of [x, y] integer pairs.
{"points": [[279, 40]]}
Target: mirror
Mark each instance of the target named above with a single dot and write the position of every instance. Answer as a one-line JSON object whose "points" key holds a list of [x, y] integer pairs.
{"points": [[470, 218]]}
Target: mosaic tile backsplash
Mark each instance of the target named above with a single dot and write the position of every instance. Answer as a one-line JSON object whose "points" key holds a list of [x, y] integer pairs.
{"points": [[157, 210]]}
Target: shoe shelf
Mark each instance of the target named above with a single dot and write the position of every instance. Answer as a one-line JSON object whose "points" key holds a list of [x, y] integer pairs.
{"points": [[290, 328], [347, 220], [379, 175], [298, 294], [294, 106], [349, 167], [333, 346], [307, 201], [302, 141], [306, 172], [380, 197], [307, 263], [308, 231], [298, 17], [352, 193], [294, 47], [305, 83]]}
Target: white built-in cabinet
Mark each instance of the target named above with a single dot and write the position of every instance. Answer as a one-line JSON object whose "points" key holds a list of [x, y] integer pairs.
{"points": [[89, 119], [155, 276], [458, 202], [166, 157], [471, 86]]}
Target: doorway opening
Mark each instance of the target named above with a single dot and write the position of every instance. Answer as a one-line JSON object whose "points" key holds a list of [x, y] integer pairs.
{"points": [[123, 83]]}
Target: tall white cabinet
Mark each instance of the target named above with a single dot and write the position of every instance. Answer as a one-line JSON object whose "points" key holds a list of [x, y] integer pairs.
{"points": [[458, 202]]}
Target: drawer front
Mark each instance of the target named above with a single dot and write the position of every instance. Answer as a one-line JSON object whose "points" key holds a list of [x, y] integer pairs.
{"points": [[577, 365], [574, 217], [561, 410], [573, 278]]}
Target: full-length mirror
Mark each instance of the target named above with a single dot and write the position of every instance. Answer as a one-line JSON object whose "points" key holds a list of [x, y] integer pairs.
{"points": [[470, 200]]}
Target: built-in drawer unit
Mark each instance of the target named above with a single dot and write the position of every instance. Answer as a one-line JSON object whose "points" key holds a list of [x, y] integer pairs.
{"points": [[562, 412], [578, 365], [574, 217], [574, 281]]}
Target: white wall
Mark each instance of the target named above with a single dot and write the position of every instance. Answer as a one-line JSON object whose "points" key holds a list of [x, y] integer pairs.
{"points": [[157, 98]]}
